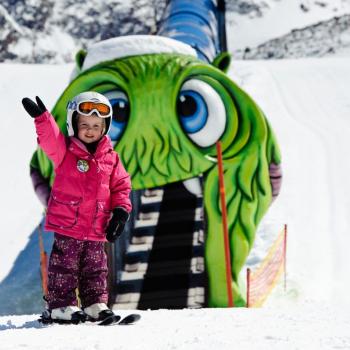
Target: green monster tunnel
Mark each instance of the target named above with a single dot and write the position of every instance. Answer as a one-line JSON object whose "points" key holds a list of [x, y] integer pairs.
{"points": [[170, 108]]}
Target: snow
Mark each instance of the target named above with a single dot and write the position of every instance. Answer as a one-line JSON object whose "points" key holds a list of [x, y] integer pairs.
{"points": [[63, 27], [133, 45], [11, 20], [278, 18], [308, 104], [20, 209], [222, 329]]}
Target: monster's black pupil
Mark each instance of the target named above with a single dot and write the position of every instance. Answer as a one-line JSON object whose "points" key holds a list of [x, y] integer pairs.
{"points": [[186, 106], [121, 111]]}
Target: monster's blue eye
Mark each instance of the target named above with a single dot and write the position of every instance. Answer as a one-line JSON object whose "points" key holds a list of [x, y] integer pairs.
{"points": [[121, 110], [201, 112], [192, 110]]}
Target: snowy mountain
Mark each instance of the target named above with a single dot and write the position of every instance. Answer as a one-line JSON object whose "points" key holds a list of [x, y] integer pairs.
{"points": [[287, 28], [47, 31], [322, 39]]}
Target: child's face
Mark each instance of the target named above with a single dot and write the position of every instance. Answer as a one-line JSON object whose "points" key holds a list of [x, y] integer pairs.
{"points": [[90, 128]]}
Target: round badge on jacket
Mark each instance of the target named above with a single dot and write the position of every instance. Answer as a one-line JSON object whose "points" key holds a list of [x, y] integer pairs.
{"points": [[82, 165]]}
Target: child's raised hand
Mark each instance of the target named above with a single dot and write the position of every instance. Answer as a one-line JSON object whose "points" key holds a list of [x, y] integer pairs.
{"points": [[116, 225], [32, 108]]}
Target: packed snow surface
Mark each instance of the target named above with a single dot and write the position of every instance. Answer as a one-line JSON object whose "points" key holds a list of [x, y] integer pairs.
{"points": [[221, 329], [308, 104]]}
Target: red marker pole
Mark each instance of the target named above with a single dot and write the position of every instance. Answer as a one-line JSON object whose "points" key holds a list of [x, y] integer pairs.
{"points": [[43, 262], [285, 257], [224, 225], [248, 287]]}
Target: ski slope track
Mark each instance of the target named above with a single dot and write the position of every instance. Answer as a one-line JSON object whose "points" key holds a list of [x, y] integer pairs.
{"points": [[311, 99], [307, 102]]}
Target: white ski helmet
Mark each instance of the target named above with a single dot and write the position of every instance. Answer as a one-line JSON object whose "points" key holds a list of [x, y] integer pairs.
{"points": [[88, 96]]}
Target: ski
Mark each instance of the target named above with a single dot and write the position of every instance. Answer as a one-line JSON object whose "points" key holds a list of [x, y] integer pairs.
{"points": [[109, 320], [130, 319], [117, 320]]}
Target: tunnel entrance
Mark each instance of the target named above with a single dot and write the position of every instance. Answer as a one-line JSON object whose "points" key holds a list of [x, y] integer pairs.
{"points": [[163, 266]]}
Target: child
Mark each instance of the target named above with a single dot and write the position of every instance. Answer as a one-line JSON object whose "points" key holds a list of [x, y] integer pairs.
{"points": [[90, 184]]}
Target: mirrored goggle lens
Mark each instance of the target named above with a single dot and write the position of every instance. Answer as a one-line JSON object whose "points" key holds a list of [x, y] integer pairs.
{"points": [[88, 107]]}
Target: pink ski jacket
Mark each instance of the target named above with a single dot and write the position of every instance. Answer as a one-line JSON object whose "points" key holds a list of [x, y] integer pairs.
{"points": [[87, 187]]}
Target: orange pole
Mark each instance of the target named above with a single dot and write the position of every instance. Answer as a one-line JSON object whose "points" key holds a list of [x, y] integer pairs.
{"points": [[43, 262], [248, 287], [285, 257], [224, 225]]}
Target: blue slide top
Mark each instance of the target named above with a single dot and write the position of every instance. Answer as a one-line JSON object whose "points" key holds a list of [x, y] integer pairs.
{"points": [[194, 23]]}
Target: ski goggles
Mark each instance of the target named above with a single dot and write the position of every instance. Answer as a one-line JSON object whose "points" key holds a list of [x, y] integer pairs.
{"points": [[88, 107]]}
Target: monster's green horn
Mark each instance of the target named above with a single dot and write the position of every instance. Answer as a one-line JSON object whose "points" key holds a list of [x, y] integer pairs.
{"points": [[80, 58], [222, 61]]}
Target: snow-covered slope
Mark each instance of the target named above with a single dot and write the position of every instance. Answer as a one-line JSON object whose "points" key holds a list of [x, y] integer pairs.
{"points": [[310, 327], [20, 209], [253, 22], [307, 103], [326, 38]]}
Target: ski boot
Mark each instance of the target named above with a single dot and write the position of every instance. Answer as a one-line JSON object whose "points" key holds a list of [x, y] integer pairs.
{"points": [[63, 315], [99, 312]]}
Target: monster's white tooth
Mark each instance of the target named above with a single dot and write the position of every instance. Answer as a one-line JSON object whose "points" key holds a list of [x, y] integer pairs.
{"points": [[212, 159], [194, 186]]}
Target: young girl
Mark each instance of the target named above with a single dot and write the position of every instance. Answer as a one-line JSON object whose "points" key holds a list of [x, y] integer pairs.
{"points": [[89, 202]]}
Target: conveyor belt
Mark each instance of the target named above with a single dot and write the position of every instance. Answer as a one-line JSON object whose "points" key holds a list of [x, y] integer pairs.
{"points": [[164, 264]]}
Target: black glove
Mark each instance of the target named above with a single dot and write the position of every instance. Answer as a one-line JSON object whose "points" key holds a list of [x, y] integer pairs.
{"points": [[32, 108], [116, 224]]}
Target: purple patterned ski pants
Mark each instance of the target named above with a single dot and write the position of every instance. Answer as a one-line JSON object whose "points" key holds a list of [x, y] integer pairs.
{"points": [[77, 264]]}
